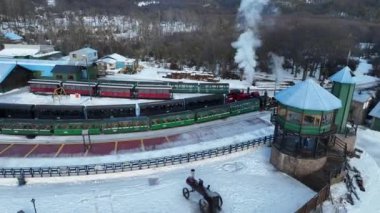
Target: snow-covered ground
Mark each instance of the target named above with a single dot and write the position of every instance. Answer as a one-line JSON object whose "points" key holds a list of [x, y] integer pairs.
{"points": [[368, 165], [246, 181], [363, 68]]}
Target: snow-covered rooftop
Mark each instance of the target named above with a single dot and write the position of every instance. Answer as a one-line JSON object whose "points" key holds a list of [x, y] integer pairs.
{"points": [[84, 51], [308, 95], [17, 52], [12, 36], [343, 76], [116, 56], [363, 96], [375, 112], [5, 69], [365, 81]]}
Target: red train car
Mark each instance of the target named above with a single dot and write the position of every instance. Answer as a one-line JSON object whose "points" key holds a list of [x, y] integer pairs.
{"points": [[237, 95], [44, 86], [153, 92], [115, 90], [83, 88]]}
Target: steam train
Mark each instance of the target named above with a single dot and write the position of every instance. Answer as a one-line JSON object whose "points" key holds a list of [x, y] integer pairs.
{"points": [[128, 89], [65, 112], [31, 119]]}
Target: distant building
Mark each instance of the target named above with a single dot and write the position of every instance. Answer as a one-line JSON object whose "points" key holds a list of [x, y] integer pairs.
{"points": [[375, 113], [360, 105], [82, 54], [13, 76], [27, 51], [69, 72], [115, 63]]}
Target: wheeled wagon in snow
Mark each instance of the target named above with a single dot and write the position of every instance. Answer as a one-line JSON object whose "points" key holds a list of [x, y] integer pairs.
{"points": [[211, 202]]}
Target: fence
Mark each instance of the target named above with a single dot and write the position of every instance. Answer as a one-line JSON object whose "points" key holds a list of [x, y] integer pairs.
{"points": [[317, 200], [131, 165]]}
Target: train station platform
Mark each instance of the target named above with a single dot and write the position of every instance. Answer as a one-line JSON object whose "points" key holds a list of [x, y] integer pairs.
{"points": [[101, 145]]}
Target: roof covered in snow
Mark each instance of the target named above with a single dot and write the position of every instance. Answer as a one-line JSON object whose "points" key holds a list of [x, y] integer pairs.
{"points": [[17, 52], [363, 96], [366, 81], [5, 69], [116, 56], [375, 112], [84, 51], [12, 36], [107, 60], [308, 95], [343, 76]]}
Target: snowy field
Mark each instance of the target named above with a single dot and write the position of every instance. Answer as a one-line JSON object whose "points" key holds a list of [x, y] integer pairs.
{"points": [[246, 181]]}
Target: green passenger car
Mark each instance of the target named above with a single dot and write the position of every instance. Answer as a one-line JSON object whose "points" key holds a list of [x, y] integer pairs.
{"points": [[214, 88], [178, 87], [172, 120], [125, 126], [69, 128], [245, 106], [212, 113], [25, 127]]}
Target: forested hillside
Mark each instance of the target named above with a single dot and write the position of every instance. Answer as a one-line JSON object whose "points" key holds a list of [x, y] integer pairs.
{"points": [[309, 34]]}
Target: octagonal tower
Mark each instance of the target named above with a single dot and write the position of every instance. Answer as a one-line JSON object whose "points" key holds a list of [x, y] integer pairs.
{"points": [[304, 126]]}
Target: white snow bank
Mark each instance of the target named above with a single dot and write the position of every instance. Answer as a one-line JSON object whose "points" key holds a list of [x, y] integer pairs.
{"points": [[247, 182]]}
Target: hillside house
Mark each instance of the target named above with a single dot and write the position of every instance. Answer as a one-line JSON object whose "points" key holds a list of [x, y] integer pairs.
{"points": [[375, 113], [84, 54], [111, 64], [13, 76], [360, 105]]}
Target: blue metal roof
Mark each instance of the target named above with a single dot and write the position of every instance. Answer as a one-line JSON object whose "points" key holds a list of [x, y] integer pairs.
{"points": [[85, 50], [44, 69], [5, 69], [343, 76], [308, 95], [12, 36], [44, 66]]}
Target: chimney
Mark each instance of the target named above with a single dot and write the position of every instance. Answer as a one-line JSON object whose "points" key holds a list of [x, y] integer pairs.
{"points": [[192, 173]]}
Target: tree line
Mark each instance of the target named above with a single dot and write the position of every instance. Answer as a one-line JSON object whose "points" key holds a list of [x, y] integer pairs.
{"points": [[308, 40]]}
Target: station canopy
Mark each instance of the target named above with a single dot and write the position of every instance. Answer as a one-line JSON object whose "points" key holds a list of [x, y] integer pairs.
{"points": [[308, 95]]}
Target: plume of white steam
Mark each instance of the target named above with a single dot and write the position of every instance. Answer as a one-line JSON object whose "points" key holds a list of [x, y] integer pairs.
{"points": [[276, 66], [248, 41]]}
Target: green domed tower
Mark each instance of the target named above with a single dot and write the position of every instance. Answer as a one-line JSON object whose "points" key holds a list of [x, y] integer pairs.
{"points": [[304, 126], [343, 88]]}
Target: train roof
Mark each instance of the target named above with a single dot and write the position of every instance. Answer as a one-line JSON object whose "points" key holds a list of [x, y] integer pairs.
{"points": [[61, 107], [15, 106], [206, 97], [111, 85], [161, 102], [95, 107], [79, 83], [158, 87], [44, 81]]}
